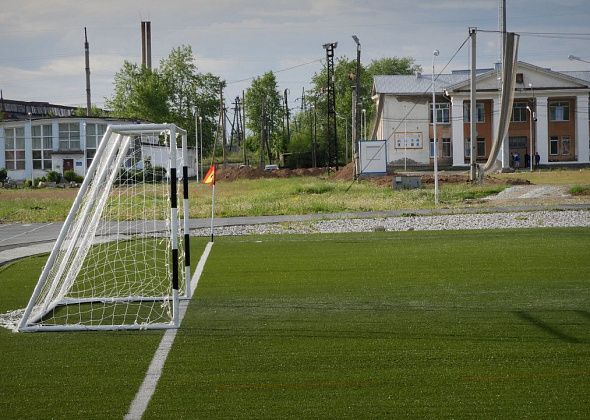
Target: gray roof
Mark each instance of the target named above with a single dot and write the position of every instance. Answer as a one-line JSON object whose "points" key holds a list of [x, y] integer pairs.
{"points": [[421, 84], [415, 84], [582, 75]]}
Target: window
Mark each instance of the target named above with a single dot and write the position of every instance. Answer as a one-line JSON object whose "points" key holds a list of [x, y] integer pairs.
{"points": [[94, 133], [431, 149], [446, 148], [554, 145], [42, 146], [519, 78], [480, 146], [480, 112], [14, 152], [69, 136], [442, 113], [519, 112], [565, 145], [559, 111]]}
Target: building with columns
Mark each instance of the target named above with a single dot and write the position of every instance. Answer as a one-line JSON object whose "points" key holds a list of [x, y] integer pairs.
{"points": [[550, 117]]}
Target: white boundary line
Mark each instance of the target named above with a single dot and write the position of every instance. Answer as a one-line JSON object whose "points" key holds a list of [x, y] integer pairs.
{"points": [[148, 387]]}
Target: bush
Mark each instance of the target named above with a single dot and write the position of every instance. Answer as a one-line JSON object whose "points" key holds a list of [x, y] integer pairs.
{"points": [[28, 183], [3, 175], [53, 176], [72, 176]]}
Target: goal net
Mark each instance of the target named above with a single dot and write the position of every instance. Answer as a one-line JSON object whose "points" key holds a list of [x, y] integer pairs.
{"points": [[121, 260]]}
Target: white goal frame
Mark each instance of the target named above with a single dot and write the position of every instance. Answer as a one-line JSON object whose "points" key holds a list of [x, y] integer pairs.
{"points": [[80, 213]]}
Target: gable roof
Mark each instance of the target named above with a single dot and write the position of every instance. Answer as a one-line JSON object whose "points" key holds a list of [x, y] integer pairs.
{"points": [[421, 84]]}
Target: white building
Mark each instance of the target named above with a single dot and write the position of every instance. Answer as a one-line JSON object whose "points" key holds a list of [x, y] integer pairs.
{"points": [[559, 100], [30, 148]]}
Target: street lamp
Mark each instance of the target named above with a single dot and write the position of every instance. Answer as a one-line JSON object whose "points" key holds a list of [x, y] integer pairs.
{"points": [[434, 54], [576, 58], [201, 145], [364, 123], [531, 117], [355, 115]]}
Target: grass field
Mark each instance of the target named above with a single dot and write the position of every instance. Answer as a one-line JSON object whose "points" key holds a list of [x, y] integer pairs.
{"points": [[408, 324]]}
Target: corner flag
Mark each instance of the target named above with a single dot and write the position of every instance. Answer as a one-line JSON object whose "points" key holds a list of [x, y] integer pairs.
{"points": [[209, 177]]}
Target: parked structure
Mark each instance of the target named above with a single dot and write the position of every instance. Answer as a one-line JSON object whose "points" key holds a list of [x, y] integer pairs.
{"points": [[30, 148], [557, 102]]}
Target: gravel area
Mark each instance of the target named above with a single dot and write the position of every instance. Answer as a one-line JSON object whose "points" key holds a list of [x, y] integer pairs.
{"points": [[511, 220]]}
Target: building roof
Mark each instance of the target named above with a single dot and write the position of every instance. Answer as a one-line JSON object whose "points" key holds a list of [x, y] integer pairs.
{"points": [[421, 84]]}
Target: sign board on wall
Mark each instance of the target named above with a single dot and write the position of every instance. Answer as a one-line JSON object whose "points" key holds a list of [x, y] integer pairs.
{"points": [[409, 140], [373, 157]]}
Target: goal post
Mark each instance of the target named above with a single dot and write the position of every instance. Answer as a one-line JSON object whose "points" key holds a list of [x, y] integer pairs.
{"points": [[122, 258]]}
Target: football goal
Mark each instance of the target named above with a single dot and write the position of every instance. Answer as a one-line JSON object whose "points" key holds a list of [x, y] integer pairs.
{"points": [[122, 258]]}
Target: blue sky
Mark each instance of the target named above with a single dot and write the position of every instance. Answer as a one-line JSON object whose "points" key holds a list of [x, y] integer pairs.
{"points": [[42, 50]]}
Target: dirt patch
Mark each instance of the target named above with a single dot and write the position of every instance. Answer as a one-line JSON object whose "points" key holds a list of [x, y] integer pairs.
{"points": [[233, 173]]}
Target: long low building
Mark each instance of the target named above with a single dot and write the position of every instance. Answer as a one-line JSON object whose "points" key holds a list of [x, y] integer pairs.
{"points": [[30, 148], [556, 102]]}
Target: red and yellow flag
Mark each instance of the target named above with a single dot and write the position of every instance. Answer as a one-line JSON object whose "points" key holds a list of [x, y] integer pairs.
{"points": [[209, 177]]}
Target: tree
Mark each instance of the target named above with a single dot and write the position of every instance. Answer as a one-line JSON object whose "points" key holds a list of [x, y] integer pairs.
{"points": [[174, 93], [263, 99], [139, 93], [344, 79]]}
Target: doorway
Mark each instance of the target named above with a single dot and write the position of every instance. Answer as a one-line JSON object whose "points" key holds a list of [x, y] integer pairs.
{"points": [[68, 164]]}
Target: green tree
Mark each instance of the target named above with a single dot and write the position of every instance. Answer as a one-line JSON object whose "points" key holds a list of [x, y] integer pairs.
{"points": [[176, 92], [263, 97], [139, 93], [344, 79]]}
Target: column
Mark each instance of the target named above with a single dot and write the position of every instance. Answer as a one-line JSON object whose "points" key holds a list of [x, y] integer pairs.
{"points": [[28, 150], [542, 130], [2, 148], [504, 154], [457, 129], [582, 132]]}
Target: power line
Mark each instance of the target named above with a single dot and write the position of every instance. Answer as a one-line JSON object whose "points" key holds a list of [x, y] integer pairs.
{"points": [[276, 71]]}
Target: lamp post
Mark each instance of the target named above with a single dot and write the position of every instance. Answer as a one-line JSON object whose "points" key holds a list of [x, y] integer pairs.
{"points": [[532, 117], [355, 114], [364, 123], [434, 54], [201, 145], [197, 140], [576, 58], [405, 140]]}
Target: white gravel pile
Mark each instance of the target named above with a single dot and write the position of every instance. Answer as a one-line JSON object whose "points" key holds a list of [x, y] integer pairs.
{"points": [[568, 218]]}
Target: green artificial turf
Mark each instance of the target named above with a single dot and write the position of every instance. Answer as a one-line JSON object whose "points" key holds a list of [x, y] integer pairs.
{"points": [[68, 375], [387, 325], [380, 325]]}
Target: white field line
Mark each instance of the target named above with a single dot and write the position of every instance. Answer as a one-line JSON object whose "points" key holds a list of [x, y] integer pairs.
{"points": [[148, 387]]}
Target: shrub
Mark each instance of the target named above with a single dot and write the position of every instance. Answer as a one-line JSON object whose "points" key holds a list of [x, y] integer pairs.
{"points": [[3, 175], [28, 183], [53, 176], [72, 176]]}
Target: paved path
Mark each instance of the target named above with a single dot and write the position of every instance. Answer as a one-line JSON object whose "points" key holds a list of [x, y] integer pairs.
{"points": [[22, 240]]}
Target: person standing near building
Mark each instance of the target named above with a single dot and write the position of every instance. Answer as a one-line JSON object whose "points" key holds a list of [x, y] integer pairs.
{"points": [[527, 160], [537, 160]]}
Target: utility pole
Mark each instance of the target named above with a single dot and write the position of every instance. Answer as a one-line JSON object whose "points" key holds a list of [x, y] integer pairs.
{"points": [[87, 55], [263, 134], [244, 126], [331, 98], [356, 98], [473, 99], [146, 44], [287, 116]]}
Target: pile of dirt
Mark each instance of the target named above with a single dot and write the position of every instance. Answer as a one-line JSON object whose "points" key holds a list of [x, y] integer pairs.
{"points": [[232, 173], [344, 174]]}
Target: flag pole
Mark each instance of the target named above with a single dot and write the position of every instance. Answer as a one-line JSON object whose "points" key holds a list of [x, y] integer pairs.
{"points": [[212, 205]]}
